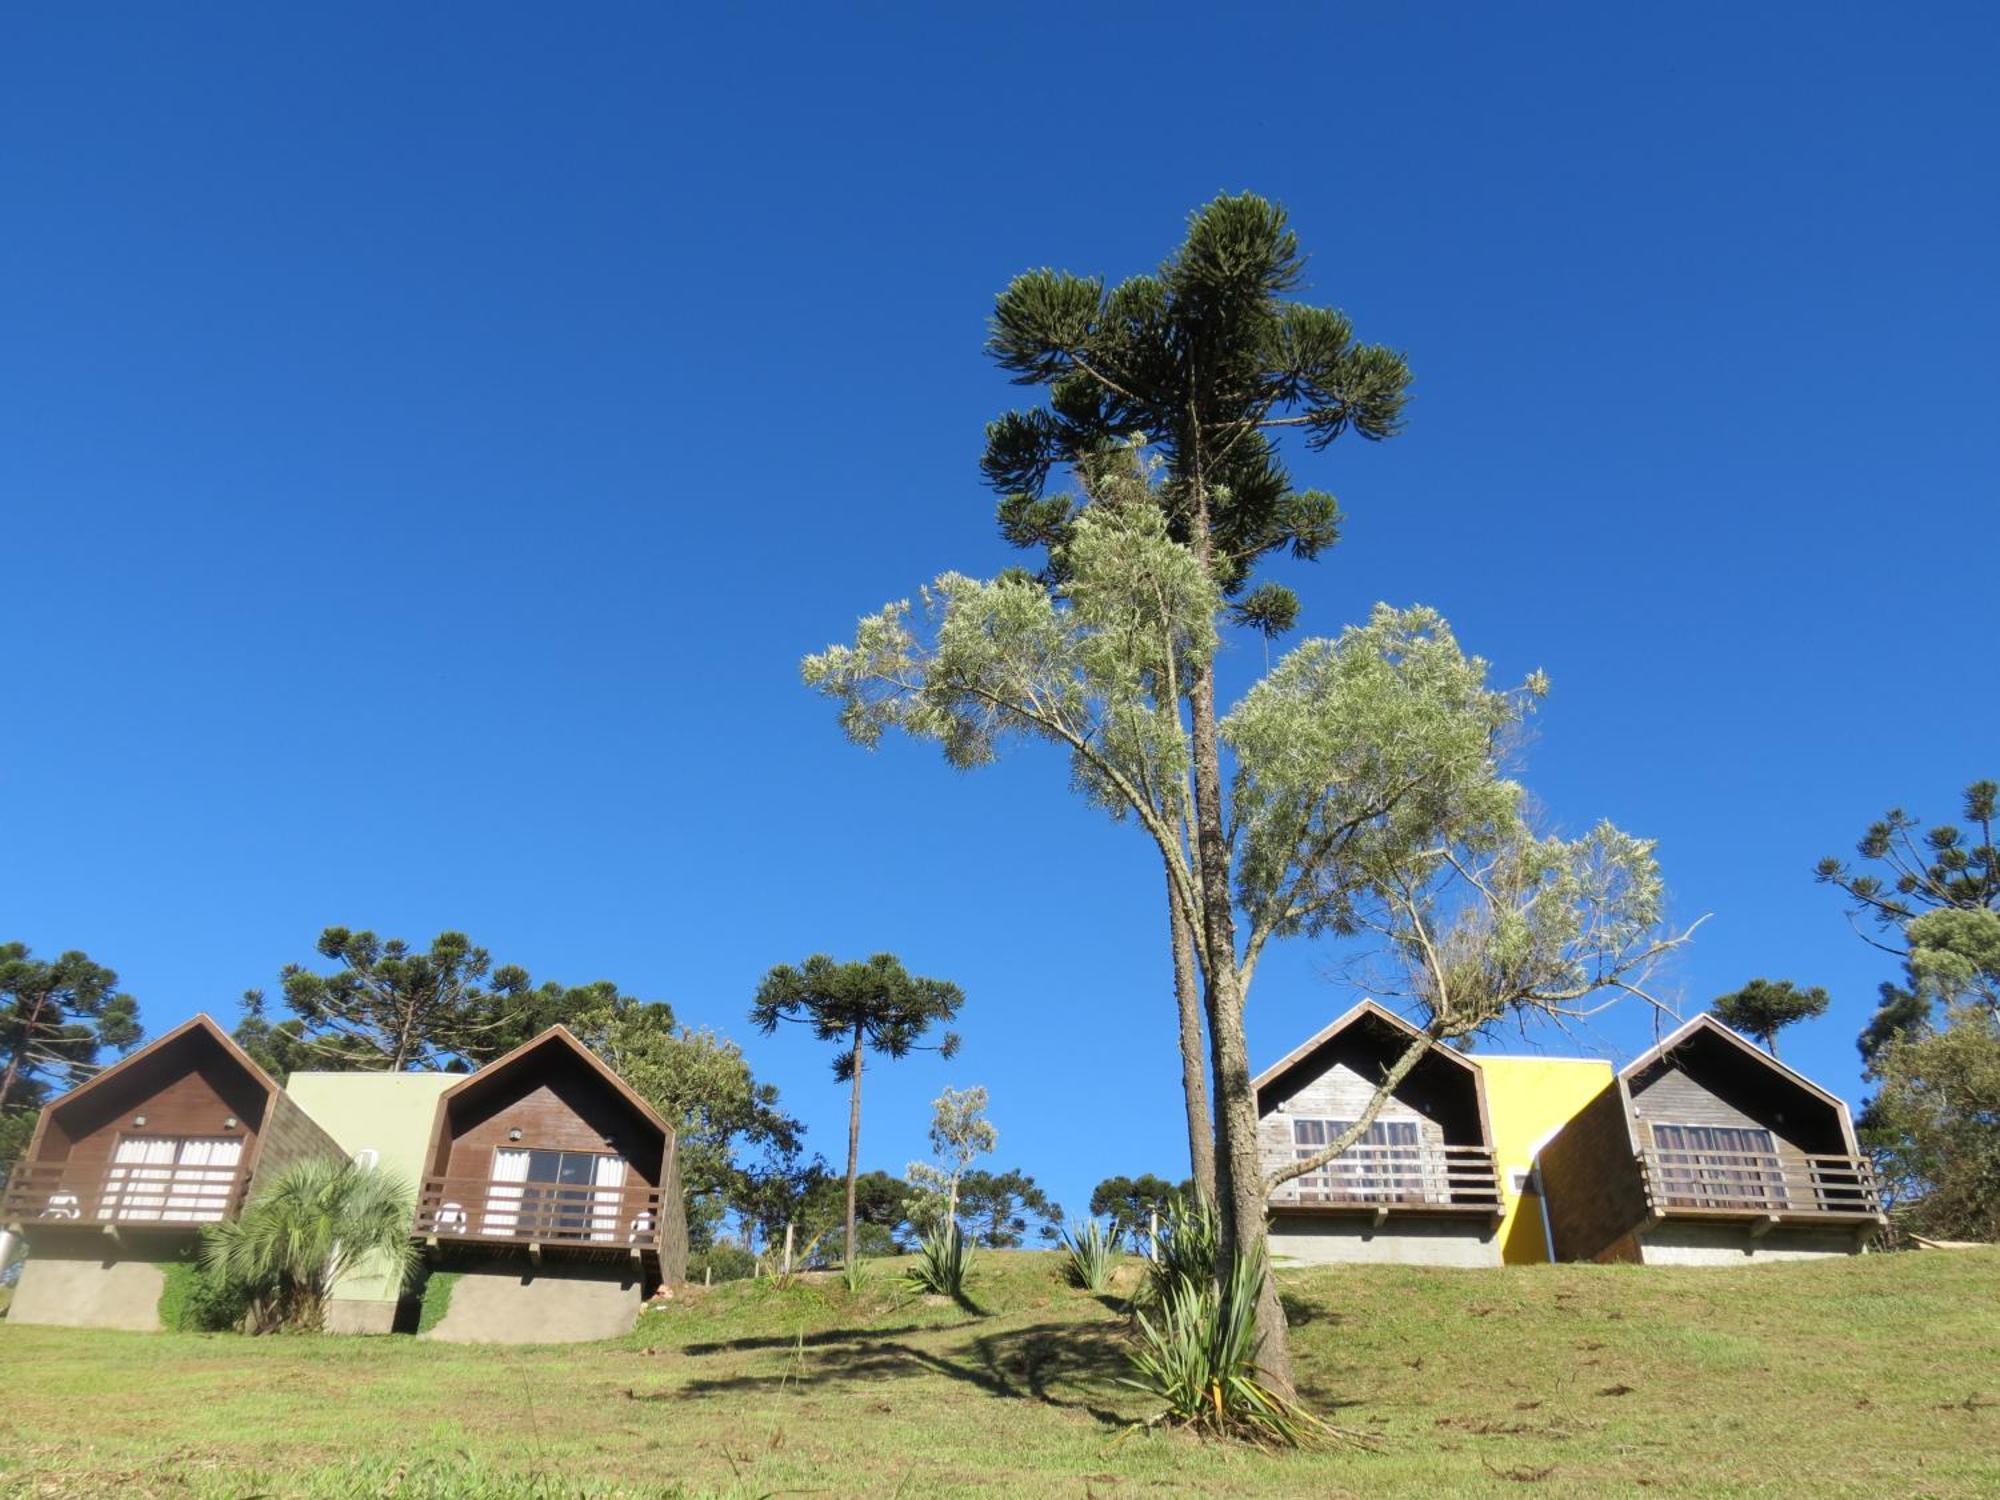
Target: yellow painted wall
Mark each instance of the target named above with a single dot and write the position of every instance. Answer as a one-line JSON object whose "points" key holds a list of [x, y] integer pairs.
{"points": [[1528, 1099]]}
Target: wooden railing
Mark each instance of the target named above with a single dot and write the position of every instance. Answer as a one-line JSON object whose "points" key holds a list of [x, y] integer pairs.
{"points": [[539, 1213], [137, 1194], [1742, 1182], [1397, 1176]]}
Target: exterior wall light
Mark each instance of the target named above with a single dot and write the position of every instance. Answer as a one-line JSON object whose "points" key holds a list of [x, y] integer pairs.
{"points": [[514, 1134], [230, 1123], [138, 1122]]}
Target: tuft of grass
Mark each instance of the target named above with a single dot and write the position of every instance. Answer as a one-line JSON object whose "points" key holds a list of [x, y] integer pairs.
{"points": [[944, 1260], [1088, 1256]]}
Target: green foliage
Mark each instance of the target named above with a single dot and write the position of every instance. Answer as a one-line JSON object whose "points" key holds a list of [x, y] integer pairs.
{"points": [[960, 1134], [1763, 1008], [435, 1302], [854, 1277], [999, 1209], [306, 1228], [1197, 1353], [1934, 1124], [389, 1007], [195, 1299], [1187, 1252], [17, 1128], [944, 1260], [56, 1016], [1132, 1202], [1088, 1255], [1917, 878], [725, 1260]]}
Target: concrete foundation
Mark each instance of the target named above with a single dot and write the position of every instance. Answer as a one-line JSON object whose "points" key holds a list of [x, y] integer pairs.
{"points": [[1732, 1245], [508, 1304], [349, 1315], [1300, 1240], [89, 1293]]}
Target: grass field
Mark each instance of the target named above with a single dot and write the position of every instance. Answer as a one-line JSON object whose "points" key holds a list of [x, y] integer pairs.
{"points": [[1878, 1376]]}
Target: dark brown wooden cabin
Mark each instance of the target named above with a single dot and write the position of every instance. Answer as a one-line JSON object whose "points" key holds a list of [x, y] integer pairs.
{"points": [[548, 1153], [1422, 1181], [1708, 1150], [159, 1143]]}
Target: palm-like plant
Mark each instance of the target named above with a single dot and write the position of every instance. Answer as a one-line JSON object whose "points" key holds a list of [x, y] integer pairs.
{"points": [[944, 1258], [1088, 1255], [313, 1223]]}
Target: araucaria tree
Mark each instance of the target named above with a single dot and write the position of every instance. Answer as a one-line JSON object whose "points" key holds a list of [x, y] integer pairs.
{"points": [[388, 1006], [1765, 1007], [877, 1006], [56, 1015], [1369, 798], [1199, 366]]}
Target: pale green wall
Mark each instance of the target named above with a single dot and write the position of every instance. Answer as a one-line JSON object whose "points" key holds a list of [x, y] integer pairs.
{"points": [[388, 1113]]}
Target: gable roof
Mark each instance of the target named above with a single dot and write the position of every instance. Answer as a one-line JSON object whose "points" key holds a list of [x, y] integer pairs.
{"points": [[1707, 1025], [1361, 1010], [200, 1022], [557, 1036]]}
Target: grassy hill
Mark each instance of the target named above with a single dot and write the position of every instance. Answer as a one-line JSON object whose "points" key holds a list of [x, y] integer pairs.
{"points": [[1876, 1376]]}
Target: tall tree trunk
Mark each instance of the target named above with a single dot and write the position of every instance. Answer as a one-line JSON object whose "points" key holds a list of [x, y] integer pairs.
{"points": [[1194, 1074], [853, 1144]]}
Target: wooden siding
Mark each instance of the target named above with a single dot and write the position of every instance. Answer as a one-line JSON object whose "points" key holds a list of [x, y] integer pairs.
{"points": [[1590, 1181], [1672, 1097], [1340, 1093], [188, 1090], [291, 1136], [558, 1108], [673, 1247]]}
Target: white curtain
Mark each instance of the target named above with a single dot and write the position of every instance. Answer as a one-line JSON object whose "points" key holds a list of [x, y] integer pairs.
{"points": [[203, 1175], [136, 1189], [609, 1175], [503, 1201]]}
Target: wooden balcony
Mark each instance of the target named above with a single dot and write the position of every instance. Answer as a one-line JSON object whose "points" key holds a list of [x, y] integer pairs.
{"points": [[1758, 1186], [539, 1216], [107, 1196], [1385, 1179]]}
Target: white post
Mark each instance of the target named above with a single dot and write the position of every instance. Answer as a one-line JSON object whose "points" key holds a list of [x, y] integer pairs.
{"points": [[788, 1248], [9, 1243]]}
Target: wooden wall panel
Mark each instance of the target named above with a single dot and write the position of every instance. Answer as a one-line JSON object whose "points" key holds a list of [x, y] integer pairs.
{"points": [[291, 1135], [557, 1105], [1590, 1180], [183, 1091]]}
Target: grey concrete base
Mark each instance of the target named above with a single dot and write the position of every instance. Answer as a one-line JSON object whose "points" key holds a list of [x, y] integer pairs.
{"points": [[1732, 1245], [1298, 1239], [507, 1304], [344, 1316], [89, 1294]]}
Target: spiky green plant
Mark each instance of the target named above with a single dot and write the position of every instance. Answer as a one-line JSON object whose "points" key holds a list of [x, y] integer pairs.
{"points": [[1186, 1250], [854, 1277], [944, 1258], [1087, 1255], [307, 1227], [1197, 1353]]}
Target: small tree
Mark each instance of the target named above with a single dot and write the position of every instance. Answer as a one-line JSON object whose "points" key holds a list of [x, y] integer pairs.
{"points": [[389, 1007], [1003, 1207], [305, 1229], [55, 1017], [877, 1006], [1763, 1008], [1132, 1203], [1934, 1124], [960, 1134]]}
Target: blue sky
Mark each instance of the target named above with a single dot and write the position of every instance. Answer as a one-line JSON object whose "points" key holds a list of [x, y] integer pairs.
{"points": [[427, 444]]}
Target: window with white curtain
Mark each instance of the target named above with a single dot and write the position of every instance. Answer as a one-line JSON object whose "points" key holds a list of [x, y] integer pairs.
{"points": [[555, 1195], [172, 1180]]}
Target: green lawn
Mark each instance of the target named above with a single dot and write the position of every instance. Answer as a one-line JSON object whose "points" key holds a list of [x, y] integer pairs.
{"points": [[1878, 1376]]}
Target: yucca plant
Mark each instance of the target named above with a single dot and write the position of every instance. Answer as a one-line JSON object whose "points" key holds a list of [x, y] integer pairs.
{"points": [[1186, 1250], [309, 1226], [1088, 1255], [1198, 1354], [944, 1258]]}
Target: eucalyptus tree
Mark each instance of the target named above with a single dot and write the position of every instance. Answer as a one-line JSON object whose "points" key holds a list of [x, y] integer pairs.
{"points": [[56, 1016], [877, 1006], [1369, 800], [1765, 1007], [1201, 365], [960, 1135]]}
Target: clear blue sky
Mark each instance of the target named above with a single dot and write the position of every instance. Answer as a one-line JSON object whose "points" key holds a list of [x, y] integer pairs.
{"points": [[428, 442]]}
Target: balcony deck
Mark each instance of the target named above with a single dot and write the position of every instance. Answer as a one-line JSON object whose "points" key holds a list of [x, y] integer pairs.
{"points": [[1758, 1187], [122, 1196], [1398, 1179], [539, 1217]]}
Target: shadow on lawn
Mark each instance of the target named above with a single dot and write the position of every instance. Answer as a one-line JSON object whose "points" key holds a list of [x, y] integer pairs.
{"points": [[1022, 1364]]}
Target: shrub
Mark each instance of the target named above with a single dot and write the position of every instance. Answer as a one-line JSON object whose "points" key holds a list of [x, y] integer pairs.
{"points": [[1198, 1354], [1187, 1250], [197, 1300], [725, 1260], [944, 1259], [1087, 1255], [436, 1299]]}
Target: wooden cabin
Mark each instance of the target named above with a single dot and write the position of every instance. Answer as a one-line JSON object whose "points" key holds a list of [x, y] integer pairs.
{"points": [[1420, 1188], [1706, 1151], [122, 1172], [544, 1166]]}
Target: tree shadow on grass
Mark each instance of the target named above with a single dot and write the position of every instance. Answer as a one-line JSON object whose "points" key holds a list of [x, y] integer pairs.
{"points": [[1051, 1364]]}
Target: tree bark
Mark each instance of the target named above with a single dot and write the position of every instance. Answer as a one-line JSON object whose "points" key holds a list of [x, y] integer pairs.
{"points": [[1194, 1065], [853, 1144]]}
